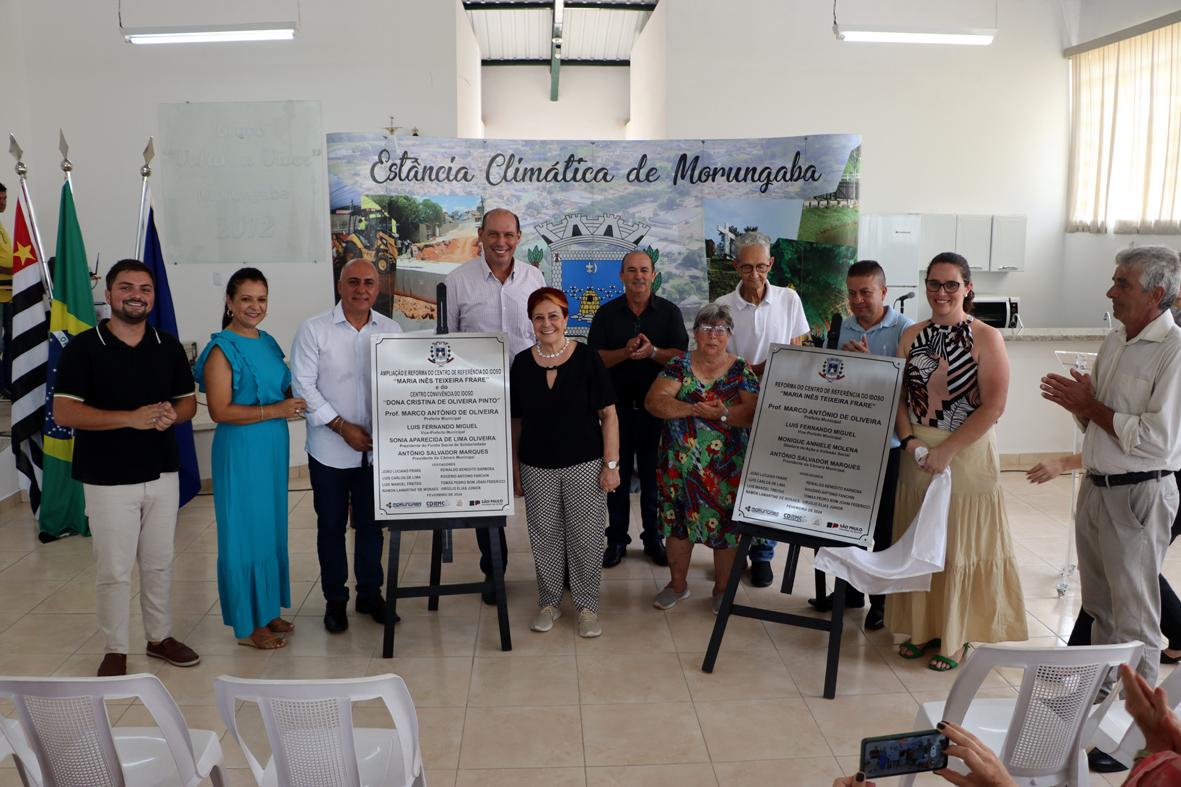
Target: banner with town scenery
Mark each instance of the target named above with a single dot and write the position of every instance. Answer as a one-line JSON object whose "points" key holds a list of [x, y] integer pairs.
{"points": [[412, 205]]}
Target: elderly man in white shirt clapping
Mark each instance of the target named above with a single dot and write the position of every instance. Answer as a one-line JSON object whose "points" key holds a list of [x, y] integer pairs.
{"points": [[1130, 411]]}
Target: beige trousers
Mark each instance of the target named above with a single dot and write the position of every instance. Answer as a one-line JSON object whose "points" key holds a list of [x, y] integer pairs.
{"points": [[133, 523], [1122, 534]]}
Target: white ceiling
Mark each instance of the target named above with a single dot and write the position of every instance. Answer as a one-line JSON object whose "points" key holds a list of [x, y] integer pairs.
{"points": [[598, 33]]}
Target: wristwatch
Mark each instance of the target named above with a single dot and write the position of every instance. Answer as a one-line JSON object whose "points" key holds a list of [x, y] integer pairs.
{"points": [[611, 464]]}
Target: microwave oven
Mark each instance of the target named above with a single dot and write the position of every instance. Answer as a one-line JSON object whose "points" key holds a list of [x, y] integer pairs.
{"points": [[999, 311]]}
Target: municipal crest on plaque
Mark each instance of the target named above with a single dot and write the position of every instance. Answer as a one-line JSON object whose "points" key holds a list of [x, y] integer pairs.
{"points": [[440, 354], [833, 369]]}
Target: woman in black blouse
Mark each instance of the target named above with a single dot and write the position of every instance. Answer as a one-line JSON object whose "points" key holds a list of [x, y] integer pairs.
{"points": [[566, 456]]}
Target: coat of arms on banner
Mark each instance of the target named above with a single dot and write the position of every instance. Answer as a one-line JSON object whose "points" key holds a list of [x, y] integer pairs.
{"points": [[586, 253], [833, 369], [440, 354]]}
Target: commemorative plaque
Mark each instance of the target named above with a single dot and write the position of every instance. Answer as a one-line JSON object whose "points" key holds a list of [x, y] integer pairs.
{"points": [[441, 437], [819, 443]]}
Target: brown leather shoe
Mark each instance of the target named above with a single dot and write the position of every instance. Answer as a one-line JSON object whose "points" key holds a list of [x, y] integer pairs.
{"points": [[174, 652], [114, 665]]}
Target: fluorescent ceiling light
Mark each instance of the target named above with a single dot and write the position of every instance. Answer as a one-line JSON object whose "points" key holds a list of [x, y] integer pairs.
{"points": [[978, 38], [210, 36]]}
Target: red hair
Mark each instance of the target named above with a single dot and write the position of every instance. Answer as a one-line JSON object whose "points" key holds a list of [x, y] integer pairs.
{"points": [[548, 294]]}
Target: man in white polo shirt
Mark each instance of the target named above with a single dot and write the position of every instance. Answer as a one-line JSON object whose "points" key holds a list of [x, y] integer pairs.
{"points": [[763, 315], [490, 293]]}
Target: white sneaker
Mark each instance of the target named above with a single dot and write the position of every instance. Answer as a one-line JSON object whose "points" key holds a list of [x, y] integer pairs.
{"points": [[588, 624], [545, 618], [668, 598]]}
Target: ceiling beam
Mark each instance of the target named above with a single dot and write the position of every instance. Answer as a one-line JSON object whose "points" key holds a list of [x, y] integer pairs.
{"points": [[524, 61], [525, 5], [555, 62]]}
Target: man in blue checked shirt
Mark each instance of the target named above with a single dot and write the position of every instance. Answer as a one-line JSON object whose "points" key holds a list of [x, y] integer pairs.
{"points": [[873, 328]]}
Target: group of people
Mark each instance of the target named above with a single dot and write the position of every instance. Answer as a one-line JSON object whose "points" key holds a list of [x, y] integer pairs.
{"points": [[633, 402]]}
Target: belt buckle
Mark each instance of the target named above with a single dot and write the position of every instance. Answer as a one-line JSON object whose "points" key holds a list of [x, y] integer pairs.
{"points": [[1106, 481]]}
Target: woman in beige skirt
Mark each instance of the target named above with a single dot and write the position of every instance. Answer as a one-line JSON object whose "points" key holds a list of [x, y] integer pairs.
{"points": [[954, 390]]}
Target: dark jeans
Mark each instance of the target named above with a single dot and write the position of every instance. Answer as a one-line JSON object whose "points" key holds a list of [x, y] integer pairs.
{"points": [[1170, 605], [883, 528], [639, 442], [333, 490]]}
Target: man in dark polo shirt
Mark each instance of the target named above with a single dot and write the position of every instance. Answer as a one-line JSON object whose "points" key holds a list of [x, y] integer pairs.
{"points": [[121, 386], [636, 334]]}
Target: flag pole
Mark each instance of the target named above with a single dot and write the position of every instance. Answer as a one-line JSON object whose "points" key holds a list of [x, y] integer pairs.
{"points": [[22, 170], [141, 227]]}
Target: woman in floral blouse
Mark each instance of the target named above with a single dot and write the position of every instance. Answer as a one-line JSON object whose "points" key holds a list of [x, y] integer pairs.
{"points": [[707, 400]]}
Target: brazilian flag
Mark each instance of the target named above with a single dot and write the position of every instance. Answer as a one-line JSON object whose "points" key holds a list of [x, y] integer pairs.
{"points": [[63, 508]]}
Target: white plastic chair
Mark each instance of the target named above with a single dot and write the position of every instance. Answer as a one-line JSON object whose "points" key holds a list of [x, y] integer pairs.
{"points": [[1119, 736], [309, 724], [64, 738], [1039, 734]]}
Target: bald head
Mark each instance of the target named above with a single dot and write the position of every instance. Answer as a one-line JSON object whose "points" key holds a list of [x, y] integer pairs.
{"points": [[357, 267], [358, 288]]}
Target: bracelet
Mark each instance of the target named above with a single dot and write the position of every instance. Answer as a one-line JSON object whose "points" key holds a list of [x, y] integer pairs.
{"points": [[902, 443]]}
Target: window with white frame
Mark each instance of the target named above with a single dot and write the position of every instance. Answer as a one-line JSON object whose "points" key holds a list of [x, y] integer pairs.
{"points": [[1125, 151]]}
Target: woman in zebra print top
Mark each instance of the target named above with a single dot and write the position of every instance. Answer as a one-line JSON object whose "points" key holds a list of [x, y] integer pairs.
{"points": [[954, 390]]}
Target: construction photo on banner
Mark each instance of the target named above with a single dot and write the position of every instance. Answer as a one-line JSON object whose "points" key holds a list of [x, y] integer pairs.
{"points": [[412, 207]]}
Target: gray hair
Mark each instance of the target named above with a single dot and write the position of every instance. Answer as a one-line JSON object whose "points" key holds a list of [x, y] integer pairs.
{"points": [[752, 239], [714, 314], [1160, 266]]}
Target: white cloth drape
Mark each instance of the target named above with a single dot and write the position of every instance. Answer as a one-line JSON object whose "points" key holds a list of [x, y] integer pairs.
{"points": [[1125, 150], [908, 564]]}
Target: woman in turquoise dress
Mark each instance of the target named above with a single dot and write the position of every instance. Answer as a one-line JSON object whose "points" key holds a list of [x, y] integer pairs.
{"points": [[245, 382], [707, 400]]}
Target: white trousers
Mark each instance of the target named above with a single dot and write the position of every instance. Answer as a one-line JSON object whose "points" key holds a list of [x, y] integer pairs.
{"points": [[133, 523]]}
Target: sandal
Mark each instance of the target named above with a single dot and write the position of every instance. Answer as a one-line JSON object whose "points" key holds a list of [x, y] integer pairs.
{"points": [[273, 642], [280, 626], [909, 650], [941, 663]]}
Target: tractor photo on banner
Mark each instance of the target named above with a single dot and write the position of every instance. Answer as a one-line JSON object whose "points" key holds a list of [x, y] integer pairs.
{"points": [[412, 207]]}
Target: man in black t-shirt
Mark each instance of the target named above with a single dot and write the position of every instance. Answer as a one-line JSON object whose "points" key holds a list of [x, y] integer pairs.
{"points": [[121, 386], [636, 334]]}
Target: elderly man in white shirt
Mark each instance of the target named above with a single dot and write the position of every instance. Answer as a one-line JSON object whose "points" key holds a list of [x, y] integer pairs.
{"points": [[1130, 411], [330, 370], [763, 315], [491, 293]]}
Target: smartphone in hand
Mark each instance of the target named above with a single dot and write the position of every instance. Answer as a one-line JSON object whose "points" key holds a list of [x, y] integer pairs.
{"points": [[907, 752]]}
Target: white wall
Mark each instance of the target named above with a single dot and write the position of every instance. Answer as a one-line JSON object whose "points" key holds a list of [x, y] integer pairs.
{"points": [[946, 129], [648, 99], [1098, 18], [104, 93], [592, 102], [468, 88]]}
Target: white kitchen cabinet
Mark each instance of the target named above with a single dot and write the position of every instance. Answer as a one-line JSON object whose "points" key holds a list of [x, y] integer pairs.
{"points": [[1008, 244], [973, 239]]}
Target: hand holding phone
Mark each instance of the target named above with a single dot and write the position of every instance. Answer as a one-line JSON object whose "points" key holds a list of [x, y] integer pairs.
{"points": [[907, 752]]}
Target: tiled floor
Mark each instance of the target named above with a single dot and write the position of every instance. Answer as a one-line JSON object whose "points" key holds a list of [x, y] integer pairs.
{"points": [[630, 708]]}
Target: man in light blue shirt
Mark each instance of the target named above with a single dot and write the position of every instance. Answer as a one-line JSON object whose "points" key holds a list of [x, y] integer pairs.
{"points": [[875, 328]]}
